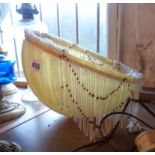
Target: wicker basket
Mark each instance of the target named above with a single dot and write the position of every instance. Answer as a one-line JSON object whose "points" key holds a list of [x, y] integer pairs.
{"points": [[145, 141]]}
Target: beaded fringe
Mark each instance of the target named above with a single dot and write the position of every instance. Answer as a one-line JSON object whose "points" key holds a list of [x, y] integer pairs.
{"points": [[72, 89]]}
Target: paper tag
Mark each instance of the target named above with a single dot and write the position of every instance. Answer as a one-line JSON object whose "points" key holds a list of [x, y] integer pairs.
{"points": [[35, 65]]}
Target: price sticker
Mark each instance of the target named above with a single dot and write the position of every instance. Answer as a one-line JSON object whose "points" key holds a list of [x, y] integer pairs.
{"points": [[35, 65]]}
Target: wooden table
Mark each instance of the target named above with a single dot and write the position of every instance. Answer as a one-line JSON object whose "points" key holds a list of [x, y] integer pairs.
{"points": [[147, 94]]}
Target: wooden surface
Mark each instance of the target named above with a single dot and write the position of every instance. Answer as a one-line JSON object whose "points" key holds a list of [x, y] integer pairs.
{"points": [[145, 58], [137, 39], [147, 94], [112, 31], [52, 132], [32, 110], [48, 132]]}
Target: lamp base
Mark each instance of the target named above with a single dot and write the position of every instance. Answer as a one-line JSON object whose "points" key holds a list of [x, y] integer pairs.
{"points": [[9, 89], [10, 111], [8, 146]]}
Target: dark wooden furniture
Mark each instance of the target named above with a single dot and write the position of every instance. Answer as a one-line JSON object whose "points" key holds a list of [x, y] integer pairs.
{"points": [[147, 94]]}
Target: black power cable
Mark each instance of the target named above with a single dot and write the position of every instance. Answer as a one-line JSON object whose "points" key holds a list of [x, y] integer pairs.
{"points": [[144, 106], [105, 139]]}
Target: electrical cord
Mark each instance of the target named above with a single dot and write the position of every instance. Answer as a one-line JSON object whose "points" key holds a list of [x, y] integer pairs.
{"points": [[128, 114], [88, 145], [105, 139], [145, 107]]}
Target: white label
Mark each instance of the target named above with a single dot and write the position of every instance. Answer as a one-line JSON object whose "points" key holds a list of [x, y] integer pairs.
{"points": [[35, 65]]}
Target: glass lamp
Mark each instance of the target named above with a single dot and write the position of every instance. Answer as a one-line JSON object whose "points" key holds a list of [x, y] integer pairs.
{"points": [[27, 12], [8, 110]]}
